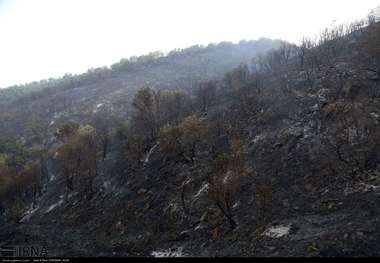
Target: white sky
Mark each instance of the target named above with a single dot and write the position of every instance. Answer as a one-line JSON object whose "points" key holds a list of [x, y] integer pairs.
{"points": [[40, 39]]}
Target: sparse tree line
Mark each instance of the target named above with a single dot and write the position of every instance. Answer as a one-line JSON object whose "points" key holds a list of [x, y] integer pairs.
{"points": [[20, 186]]}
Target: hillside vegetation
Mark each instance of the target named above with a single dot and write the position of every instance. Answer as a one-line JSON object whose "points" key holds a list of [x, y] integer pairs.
{"points": [[262, 148]]}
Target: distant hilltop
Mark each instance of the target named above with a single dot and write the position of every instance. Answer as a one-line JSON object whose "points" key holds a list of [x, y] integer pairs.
{"points": [[375, 13]]}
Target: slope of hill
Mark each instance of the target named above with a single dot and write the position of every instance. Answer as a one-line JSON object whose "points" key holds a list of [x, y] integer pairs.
{"points": [[278, 158], [76, 97]]}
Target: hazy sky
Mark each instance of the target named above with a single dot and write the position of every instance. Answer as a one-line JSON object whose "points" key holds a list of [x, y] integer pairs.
{"points": [[48, 38]]}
